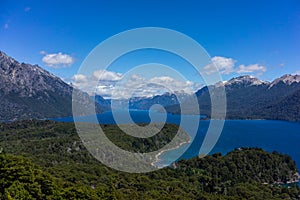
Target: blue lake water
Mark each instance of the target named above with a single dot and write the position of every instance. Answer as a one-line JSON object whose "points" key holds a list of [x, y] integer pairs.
{"points": [[270, 135]]}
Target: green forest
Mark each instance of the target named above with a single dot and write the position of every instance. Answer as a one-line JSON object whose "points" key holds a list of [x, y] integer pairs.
{"points": [[46, 160]]}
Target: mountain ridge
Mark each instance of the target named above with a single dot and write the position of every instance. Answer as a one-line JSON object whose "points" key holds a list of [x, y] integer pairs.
{"points": [[29, 91], [247, 98], [255, 99]]}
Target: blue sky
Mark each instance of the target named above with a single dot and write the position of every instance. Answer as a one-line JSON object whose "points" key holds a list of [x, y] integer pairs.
{"points": [[261, 34]]}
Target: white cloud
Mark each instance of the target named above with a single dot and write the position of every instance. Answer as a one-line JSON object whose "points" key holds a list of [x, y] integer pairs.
{"points": [[57, 60], [113, 84], [227, 65], [221, 64], [82, 82], [175, 85], [251, 68], [105, 75], [101, 81], [140, 86], [79, 78]]}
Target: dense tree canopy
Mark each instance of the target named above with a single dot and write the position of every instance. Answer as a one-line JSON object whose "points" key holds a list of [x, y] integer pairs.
{"points": [[46, 160]]}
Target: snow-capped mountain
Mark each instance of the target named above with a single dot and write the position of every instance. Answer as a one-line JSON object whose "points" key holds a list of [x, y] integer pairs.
{"points": [[245, 80], [287, 79]]}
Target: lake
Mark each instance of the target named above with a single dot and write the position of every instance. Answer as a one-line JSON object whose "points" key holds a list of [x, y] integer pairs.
{"points": [[270, 135]]}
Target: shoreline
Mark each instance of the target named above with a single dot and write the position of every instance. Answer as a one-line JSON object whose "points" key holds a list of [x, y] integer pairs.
{"points": [[156, 158]]}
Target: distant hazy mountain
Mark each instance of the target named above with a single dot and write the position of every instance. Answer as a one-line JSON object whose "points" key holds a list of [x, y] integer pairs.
{"points": [[166, 99], [141, 103], [104, 103], [28, 91], [251, 98]]}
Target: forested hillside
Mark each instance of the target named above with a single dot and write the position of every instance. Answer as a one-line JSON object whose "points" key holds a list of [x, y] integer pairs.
{"points": [[46, 160]]}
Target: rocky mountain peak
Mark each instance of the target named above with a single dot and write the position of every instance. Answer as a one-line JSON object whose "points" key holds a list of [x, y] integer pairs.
{"points": [[29, 91], [287, 79], [245, 80], [4, 59], [26, 79], [3, 55]]}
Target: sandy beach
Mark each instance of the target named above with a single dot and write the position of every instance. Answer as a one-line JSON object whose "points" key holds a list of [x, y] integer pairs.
{"points": [[162, 151]]}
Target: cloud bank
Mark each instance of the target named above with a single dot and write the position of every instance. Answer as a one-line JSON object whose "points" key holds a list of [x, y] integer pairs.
{"points": [[114, 85]]}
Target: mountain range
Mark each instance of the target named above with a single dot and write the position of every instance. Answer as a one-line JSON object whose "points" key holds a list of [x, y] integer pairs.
{"points": [[250, 98], [247, 98], [29, 91]]}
